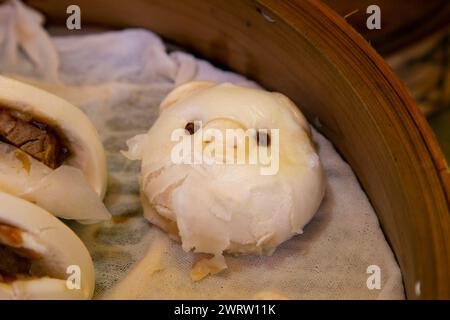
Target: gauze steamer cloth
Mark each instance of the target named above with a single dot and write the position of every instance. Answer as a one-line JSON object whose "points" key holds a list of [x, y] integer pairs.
{"points": [[118, 79]]}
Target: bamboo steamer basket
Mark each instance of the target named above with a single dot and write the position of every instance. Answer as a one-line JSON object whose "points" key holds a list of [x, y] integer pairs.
{"points": [[404, 22], [308, 52]]}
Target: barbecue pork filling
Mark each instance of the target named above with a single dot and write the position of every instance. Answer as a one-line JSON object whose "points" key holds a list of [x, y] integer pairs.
{"points": [[33, 137], [15, 261]]}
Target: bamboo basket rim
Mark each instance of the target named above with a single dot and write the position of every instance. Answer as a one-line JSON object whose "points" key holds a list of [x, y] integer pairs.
{"points": [[419, 119]]}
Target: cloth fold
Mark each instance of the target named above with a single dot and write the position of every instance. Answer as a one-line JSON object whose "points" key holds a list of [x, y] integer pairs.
{"points": [[25, 46]]}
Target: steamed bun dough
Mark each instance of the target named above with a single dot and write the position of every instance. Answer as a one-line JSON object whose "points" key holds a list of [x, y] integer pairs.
{"points": [[233, 208], [39, 254], [73, 189]]}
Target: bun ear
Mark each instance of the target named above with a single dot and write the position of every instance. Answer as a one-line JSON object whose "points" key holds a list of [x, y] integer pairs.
{"points": [[184, 91], [292, 107]]}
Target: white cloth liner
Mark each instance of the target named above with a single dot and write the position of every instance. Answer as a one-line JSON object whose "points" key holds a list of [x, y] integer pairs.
{"points": [[118, 79]]}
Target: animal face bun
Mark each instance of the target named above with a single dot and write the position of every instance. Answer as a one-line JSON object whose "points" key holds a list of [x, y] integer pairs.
{"points": [[50, 153], [244, 208], [39, 253]]}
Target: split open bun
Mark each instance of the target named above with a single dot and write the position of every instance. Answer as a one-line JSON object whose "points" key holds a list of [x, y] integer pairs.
{"points": [[50, 153], [40, 257], [235, 208]]}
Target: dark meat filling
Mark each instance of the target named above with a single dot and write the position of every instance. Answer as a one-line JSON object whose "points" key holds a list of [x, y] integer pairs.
{"points": [[15, 261], [13, 265], [33, 137]]}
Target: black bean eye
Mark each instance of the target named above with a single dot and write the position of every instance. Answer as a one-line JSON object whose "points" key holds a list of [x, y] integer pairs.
{"points": [[263, 138], [190, 127]]}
